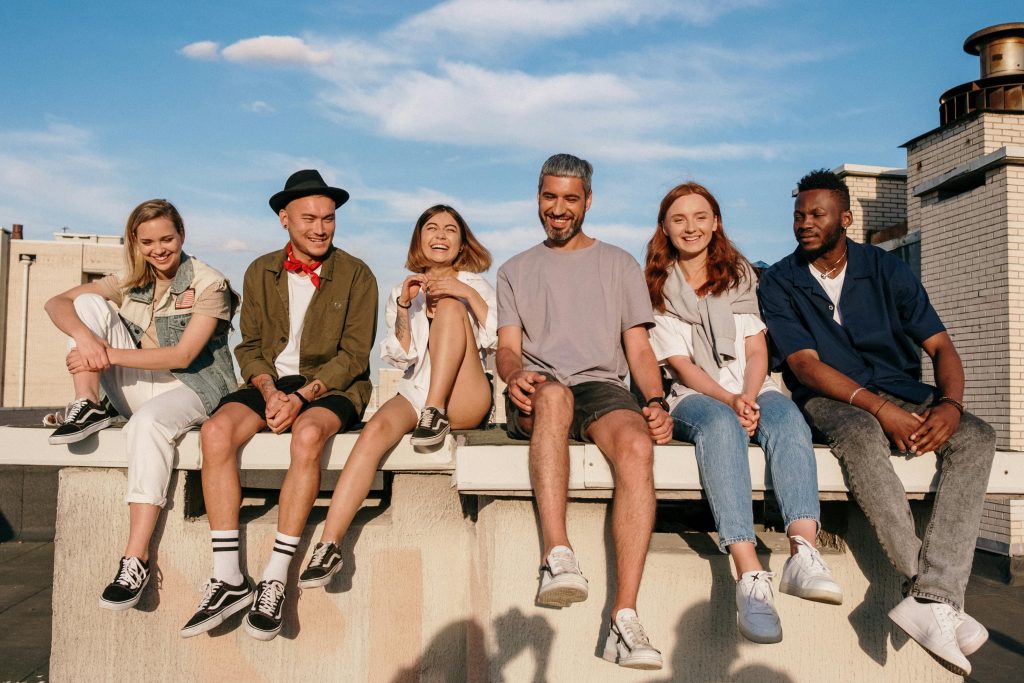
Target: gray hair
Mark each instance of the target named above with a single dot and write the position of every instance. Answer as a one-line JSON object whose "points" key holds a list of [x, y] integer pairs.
{"points": [[567, 166]]}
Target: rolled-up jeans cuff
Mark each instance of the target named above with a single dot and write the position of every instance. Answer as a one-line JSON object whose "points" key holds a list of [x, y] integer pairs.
{"points": [[937, 598], [142, 498], [723, 544], [799, 518]]}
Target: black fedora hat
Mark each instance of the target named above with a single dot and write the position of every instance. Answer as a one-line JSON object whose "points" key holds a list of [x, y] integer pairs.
{"points": [[303, 184]]}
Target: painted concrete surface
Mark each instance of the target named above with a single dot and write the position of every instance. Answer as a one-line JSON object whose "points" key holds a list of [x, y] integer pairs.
{"points": [[430, 593], [26, 577]]}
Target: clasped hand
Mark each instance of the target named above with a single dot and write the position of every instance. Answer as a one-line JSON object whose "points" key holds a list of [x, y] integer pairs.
{"points": [[918, 434], [282, 409], [748, 412], [88, 355]]}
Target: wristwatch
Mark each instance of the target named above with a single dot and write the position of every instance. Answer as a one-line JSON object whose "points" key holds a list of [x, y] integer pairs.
{"points": [[660, 400]]}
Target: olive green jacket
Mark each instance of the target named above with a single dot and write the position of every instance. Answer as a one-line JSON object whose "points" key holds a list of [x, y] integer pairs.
{"points": [[340, 324]]}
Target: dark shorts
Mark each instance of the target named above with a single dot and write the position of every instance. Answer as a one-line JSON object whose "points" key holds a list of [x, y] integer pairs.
{"points": [[590, 400], [252, 399]]}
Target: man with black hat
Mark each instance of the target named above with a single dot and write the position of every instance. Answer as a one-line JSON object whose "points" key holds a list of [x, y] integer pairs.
{"points": [[309, 316]]}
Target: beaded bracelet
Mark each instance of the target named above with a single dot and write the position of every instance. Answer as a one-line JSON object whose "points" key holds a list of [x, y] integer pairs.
{"points": [[858, 389], [951, 401]]}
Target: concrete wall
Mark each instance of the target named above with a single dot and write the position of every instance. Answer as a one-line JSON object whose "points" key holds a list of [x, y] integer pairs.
{"points": [[58, 266], [431, 594]]}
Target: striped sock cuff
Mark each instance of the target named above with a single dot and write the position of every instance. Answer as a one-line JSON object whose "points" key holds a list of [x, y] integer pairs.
{"points": [[224, 540], [285, 545]]}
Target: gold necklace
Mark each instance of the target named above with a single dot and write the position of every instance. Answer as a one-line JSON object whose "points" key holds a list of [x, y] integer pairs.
{"points": [[839, 262]]}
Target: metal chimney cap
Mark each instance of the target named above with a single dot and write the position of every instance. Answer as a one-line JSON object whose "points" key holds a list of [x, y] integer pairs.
{"points": [[978, 39]]}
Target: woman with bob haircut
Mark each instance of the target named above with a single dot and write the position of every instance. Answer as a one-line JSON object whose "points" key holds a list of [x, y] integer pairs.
{"points": [[711, 338], [441, 324], [155, 338]]}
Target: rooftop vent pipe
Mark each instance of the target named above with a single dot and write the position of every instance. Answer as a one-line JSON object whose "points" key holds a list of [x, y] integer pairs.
{"points": [[1001, 86]]}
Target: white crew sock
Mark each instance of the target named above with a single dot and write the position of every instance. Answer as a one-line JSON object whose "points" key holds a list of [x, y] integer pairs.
{"points": [[284, 550], [225, 556]]}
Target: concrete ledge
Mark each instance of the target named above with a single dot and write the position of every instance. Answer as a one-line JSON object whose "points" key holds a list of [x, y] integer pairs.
{"points": [[265, 451]]}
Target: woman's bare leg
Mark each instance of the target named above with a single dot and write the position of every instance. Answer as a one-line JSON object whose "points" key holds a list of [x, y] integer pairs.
{"points": [[142, 518], [457, 380]]}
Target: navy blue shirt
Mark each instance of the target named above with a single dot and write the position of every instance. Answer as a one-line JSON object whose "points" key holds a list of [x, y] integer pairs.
{"points": [[885, 312]]}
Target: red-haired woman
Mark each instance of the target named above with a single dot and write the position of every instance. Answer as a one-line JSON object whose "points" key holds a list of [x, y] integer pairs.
{"points": [[710, 336]]}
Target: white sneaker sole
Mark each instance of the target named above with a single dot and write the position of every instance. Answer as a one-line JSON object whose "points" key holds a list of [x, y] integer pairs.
{"points": [[219, 618], [760, 638], [825, 595], [322, 581], [911, 629], [563, 591], [79, 436], [969, 647], [647, 662], [261, 635], [127, 604], [426, 442]]}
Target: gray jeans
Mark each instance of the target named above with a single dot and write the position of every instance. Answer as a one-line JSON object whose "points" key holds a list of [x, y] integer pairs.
{"points": [[939, 564]]}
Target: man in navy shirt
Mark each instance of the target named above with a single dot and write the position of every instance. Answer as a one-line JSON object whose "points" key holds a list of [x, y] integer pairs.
{"points": [[846, 322]]}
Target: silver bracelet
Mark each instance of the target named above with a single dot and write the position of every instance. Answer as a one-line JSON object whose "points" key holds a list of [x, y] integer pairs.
{"points": [[855, 393]]}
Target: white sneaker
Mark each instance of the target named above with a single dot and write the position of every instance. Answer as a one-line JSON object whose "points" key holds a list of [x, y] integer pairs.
{"points": [[806, 576], [933, 625], [561, 581], [970, 635], [627, 644], [755, 608]]}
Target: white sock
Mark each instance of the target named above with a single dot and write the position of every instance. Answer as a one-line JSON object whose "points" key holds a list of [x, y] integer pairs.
{"points": [[284, 550], [225, 556]]}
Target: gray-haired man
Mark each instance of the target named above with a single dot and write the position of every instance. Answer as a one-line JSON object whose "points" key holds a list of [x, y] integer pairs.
{"points": [[573, 314]]}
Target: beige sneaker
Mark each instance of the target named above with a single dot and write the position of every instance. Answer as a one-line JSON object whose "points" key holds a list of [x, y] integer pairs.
{"points": [[627, 644], [561, 581], [806, 576]]}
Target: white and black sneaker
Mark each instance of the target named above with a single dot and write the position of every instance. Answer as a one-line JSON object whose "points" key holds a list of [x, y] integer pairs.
{"points": [[627, 644], [82, 418], [432, 428], [126, 588], [267, 613], [326, 561], [220, 600]]}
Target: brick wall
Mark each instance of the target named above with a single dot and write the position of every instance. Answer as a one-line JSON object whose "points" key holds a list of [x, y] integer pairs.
{"points": [[877, 202]]}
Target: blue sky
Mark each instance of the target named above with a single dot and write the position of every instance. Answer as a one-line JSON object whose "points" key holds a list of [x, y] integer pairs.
{"points": [[213, 105]]}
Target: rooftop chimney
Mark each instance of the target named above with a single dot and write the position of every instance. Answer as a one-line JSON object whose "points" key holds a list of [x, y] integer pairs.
{"points": [[1001, 86], [17, 232]]}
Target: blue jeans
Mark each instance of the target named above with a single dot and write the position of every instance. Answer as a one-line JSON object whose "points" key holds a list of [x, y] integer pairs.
{"points": [[721, 445]]}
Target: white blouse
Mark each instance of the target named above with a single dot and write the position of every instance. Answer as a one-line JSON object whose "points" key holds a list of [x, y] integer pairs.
{"points": [[416, 361], [670, 336]]}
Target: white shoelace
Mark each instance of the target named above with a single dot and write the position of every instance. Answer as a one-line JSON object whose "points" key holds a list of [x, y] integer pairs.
{"points": [[269, 598], [209, 590], [427, 417], [814, 557], [563, 562], [319, 554], [761, 594], [132, 573], [73, 410], [635, 634]]}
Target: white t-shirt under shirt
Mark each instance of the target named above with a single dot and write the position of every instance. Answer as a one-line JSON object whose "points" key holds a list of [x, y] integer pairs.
{"points": [[573, 307], [672, 337], [833, 288], [300, 293]]}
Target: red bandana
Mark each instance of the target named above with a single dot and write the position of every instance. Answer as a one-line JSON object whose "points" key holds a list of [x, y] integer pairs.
{"points": [[294, 265]]}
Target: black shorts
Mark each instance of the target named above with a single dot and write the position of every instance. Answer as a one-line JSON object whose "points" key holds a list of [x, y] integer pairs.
{"points": [[590, 400], [252, 399]]}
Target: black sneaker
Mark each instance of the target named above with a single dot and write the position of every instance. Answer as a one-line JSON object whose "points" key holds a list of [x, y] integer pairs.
{"points": [[322, 566], [220, 601], [264, 619], [126, 588], [82, 418], [432, 428]]}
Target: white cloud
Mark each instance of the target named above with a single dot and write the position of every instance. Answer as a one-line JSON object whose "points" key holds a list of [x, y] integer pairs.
{"points": [[287, 50], [258, 107], [203, 49]]}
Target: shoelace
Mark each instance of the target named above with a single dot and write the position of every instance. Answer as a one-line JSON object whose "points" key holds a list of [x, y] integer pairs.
{"points": [[319, 554], [948, 620], [817, 564], [270, 596], [210, 589], [761, 593], [635, 634], [73, 410], [132, 573], [427, 418], [560, 563]]}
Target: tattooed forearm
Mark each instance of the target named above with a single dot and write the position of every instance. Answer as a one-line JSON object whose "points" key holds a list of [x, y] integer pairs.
{"points": [[402, 327]]}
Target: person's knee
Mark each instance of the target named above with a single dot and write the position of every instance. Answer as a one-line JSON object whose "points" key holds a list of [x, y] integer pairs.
{"points": [[976, 432], [307, 443], [448, 306], [720, 425], [216, 440], [91, 309], [551, 399], [633, 459]]}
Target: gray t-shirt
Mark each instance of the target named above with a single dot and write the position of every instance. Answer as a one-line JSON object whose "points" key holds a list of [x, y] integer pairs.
{"points": [[573, 307]]}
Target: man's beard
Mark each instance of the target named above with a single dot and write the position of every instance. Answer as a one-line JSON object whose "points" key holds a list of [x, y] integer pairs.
{"points": [[838, 236], [564, 235]]}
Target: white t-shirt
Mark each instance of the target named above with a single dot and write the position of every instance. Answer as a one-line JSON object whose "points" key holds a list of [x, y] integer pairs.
{"points": [[300, 293], [833, 288], [672, 337]]}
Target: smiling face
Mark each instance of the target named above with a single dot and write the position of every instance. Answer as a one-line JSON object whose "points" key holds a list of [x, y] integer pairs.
{"points": [[310, 225], [819, 222], [159, 243], [441, 239], [689, 224], [562, 204]]}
